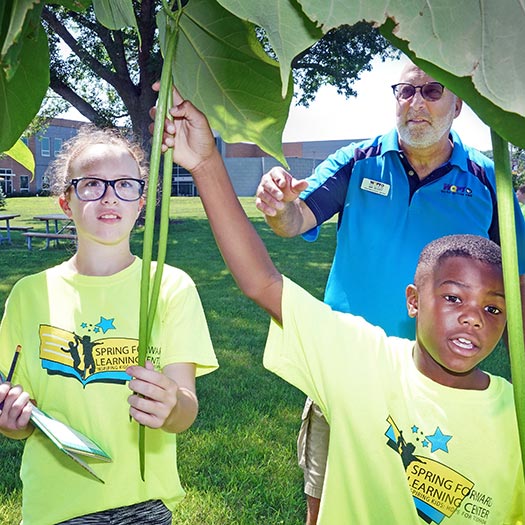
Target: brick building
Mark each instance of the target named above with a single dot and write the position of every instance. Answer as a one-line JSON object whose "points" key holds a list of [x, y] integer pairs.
{"points": [[246, 163], [16, 180]]}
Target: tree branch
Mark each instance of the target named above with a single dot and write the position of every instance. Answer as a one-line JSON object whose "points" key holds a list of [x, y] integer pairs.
{"points": [[84, 107], [59, 28]]}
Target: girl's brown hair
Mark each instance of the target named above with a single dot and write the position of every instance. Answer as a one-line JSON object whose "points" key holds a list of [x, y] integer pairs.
{"points": [[59, 171]]}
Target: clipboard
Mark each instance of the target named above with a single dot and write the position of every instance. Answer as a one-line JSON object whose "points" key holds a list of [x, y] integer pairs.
{"points": [[70, 441]]}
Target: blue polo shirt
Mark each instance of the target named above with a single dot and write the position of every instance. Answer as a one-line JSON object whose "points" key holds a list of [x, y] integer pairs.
{"points": [[386, 215]]}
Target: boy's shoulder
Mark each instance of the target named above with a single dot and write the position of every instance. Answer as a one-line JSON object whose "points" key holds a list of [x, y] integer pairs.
{"points": [[502, 385]]}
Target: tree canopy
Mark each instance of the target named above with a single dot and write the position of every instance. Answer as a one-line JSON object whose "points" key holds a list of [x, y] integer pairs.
{"points": [[107, 74]]}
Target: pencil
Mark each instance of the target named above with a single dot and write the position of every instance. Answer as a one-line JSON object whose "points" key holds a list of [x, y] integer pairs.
{"points": [[12, 369], [13, 363]]}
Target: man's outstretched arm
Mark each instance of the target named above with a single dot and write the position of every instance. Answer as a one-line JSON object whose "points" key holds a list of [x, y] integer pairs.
{"points": [[277, 196]]}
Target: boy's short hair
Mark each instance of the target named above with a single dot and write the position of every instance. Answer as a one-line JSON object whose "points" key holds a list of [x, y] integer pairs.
{"points": [[468, 246]]}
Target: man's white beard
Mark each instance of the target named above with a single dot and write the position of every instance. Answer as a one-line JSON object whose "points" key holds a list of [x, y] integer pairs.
{"points": [[430, 135]]}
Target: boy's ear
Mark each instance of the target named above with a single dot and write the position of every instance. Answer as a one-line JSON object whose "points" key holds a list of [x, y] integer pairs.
{"points": [[64, 204], [412, 300]]}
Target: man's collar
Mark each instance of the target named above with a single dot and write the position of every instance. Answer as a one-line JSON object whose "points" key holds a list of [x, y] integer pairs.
{"points": [[458, 157]]}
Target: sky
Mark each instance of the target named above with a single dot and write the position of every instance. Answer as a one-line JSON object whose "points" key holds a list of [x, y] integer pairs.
{"points": [[372, 112]]}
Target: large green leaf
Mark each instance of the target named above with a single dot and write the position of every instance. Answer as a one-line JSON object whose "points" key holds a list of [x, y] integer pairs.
{"points": [[20, 21], [475, 47], [74, 5], [22, 95], [220, 66], [22, 154], [289, 31], [115, 14]]}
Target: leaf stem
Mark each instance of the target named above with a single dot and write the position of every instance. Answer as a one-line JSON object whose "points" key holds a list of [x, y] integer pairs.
{"points": [[146, 302], [507, 228]]}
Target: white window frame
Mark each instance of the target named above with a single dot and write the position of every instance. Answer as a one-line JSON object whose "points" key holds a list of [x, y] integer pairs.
{"points": [[57, 146], [24, 183], [45, 151]]}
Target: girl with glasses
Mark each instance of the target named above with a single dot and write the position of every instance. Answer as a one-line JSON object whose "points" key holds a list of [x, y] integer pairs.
{"points": [[78, 324]]}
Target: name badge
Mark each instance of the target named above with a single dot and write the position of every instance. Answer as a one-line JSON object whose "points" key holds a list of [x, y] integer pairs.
{"points": [[375, 186]]}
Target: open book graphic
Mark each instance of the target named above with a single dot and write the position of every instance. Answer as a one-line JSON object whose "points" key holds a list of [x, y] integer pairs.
{"points": [[68, 440]]}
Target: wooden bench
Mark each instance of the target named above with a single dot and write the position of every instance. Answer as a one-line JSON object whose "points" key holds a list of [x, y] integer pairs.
{"points": [[48, 237], [17, 228]]}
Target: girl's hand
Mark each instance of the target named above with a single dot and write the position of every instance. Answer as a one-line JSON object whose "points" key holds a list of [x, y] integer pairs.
{"points": [[15, 412], [154, 397], [169, 401]]}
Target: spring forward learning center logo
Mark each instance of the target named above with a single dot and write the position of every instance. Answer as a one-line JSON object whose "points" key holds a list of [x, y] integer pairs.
{"points": [[90, 356], [438, 490]]}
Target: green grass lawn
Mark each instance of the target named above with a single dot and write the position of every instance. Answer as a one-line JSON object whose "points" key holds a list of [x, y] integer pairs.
{"points": [[237, 463]]}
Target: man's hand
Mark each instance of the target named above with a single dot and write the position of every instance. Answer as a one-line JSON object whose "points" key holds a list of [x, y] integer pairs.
{"points": [[277, 187]]}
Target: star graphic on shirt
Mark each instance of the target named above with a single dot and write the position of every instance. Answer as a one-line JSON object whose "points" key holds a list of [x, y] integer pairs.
{"points": [[415, 429], [83, 325], [439, 440], [105, 324]]}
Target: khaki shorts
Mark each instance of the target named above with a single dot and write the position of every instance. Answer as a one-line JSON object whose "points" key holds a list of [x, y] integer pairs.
{"points": [[312, 448]]}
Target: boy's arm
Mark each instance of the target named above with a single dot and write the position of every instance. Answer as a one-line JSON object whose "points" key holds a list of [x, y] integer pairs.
{"points": [[240, 245], [242, 249]]}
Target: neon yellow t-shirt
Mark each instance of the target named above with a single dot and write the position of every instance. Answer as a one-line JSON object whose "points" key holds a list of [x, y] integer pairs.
{"points": [[78, 335], [400, 444]]}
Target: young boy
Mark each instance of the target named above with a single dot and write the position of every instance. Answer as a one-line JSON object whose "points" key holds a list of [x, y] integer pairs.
{"points": [[419, 434]]}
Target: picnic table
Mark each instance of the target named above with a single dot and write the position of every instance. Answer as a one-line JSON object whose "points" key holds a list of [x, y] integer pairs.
{"points": [[55, 230], [6, 217]]}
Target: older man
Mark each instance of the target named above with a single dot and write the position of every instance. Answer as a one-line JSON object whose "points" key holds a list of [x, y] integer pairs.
{"points": [[393, 194]]}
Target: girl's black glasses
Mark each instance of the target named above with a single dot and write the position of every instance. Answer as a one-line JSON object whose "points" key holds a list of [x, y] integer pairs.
{"points": [[93, 188]]}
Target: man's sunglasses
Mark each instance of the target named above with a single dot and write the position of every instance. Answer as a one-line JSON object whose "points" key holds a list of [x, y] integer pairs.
{"points": [[430, 91]]}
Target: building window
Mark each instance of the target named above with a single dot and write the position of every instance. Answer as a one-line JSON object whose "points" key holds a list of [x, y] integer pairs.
{"points": [[24, 183], [182, 183], [44, 146], [57, 146], [45, 183], [6, 181]]}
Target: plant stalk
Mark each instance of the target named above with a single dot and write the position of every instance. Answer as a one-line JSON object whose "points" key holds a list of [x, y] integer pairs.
{"points": [[507, 228], [148, 302]]}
